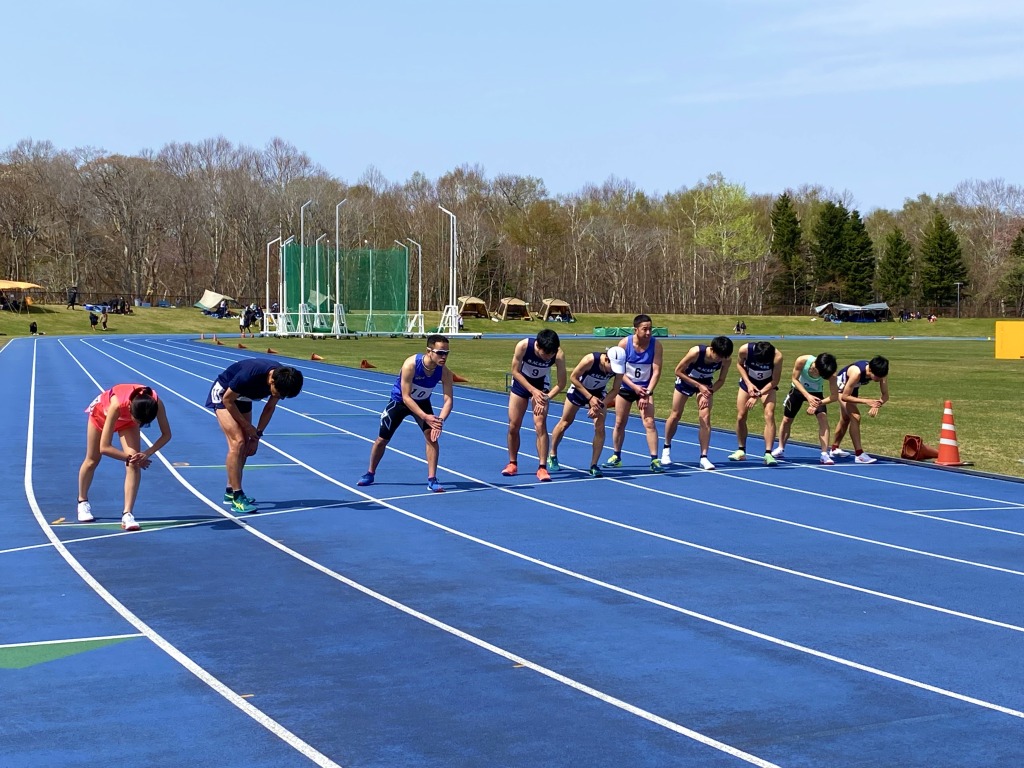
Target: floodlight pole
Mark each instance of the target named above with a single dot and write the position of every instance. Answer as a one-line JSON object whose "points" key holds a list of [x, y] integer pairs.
{"points": [[419, 291], [451, 309], [302, 264], [337, 253], [316, 248], [266, 307], [400, 244], [282, 289], [958, 300]]}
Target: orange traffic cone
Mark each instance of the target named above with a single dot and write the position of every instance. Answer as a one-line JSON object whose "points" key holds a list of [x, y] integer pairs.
{"points": [[458, 379], [271, 351], [366, 364], [315, 357], [915, 448], [949, 449], [242, 346]]}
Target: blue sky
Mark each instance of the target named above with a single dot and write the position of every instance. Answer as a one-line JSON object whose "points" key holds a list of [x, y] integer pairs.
{"points": [[885, 99]]}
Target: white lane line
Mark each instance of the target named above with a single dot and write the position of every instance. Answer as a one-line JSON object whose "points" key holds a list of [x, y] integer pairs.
{"points": [[230, 696], [621, 590], [479, 642]]}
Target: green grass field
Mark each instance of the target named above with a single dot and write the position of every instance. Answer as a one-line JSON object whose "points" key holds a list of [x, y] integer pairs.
{"points": [[925, 370]]}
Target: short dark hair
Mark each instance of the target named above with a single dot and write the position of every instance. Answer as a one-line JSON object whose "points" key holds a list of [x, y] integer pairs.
{"points": [[142, 405], [436, 338], [826, 365], [722, 346], [763, 350], [548, 341], [879, 366], [641, 319], [287, 381]]}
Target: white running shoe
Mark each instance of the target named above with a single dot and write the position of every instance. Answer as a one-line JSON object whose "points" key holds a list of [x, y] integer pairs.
{"points": [[779, 453], [85, 512], [838, 453], [825, 458], [705, 463], [738, 455], [128, 522], [865, 459], [666, 456]]}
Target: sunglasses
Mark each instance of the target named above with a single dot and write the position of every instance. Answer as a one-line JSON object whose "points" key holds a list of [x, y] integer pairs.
{"points": [[440, 352]]}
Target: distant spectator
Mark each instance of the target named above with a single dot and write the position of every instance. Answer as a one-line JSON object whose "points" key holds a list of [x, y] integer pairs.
{"points": [[103, 319], [33, 329], [222, 308], [93, 320], [72, 296]]}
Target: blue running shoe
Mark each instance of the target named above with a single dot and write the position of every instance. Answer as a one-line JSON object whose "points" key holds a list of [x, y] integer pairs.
{"points": [[242, 505], [434, 485], [614, 461], [553, 464], [595, 471], [230, 497], [366, 479]]}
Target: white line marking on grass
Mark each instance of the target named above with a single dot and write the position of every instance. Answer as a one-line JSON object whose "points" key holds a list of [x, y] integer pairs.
{"points": [[72, 640]]}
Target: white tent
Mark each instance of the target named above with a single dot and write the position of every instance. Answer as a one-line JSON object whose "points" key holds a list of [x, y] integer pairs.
{"points": [[864, 313], [211, 300]]}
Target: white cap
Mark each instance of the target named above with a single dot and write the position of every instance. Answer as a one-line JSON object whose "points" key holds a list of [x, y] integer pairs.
{"points": [[617, 357]]}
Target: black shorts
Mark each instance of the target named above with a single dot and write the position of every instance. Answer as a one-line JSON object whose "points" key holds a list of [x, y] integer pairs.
{"points": [[795, 400], [394, 414]]}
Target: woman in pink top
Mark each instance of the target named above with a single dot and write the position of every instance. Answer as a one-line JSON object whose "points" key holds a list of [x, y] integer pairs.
{"points": [[123, 410]]}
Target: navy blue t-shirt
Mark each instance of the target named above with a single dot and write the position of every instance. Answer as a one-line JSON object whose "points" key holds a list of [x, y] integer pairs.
{"points": [[248, 377]]}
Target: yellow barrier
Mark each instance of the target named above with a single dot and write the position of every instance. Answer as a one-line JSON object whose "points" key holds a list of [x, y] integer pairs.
{"points": [[1009, 339]]}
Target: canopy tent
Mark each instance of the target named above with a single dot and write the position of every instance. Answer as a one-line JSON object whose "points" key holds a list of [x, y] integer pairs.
{"points": [[556, 309], [867, 313], [211, 300], [471, 306], [17, 285], [514, 309]]}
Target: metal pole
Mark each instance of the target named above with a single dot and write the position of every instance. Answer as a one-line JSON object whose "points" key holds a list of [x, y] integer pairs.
{"points": [[453, 245], [400, 244], [302, 260], [316, 248], [419, 289], [282, 287], [266, 306], [337, 254]]}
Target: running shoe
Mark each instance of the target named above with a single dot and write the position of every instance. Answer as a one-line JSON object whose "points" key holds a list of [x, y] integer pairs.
{"points": [[666, 457], [826, 459], [85, 512], [865, 459], [838, 453], [614, 461], [738, 455], [366, 479], [656, 466], [229, 497], [542, 475], [779, 453], [770, 461], [128, 522], [705, 463], [553, 465], [595, 471], [242, 505], [434, 486], [510, 470]]}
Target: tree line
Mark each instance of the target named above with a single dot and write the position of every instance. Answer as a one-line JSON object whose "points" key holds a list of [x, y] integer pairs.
{"points": [[169, 224]]}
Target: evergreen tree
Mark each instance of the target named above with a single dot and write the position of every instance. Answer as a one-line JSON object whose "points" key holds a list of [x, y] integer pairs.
{"points": [[828, 249], [894, 281], [790, 284], [1013, 284], [942, 263], [858, 267]]}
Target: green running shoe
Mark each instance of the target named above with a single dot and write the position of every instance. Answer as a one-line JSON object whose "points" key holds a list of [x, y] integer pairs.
{"points": [[553, 464], [656, 466], [614, 461], [595, 471]]}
